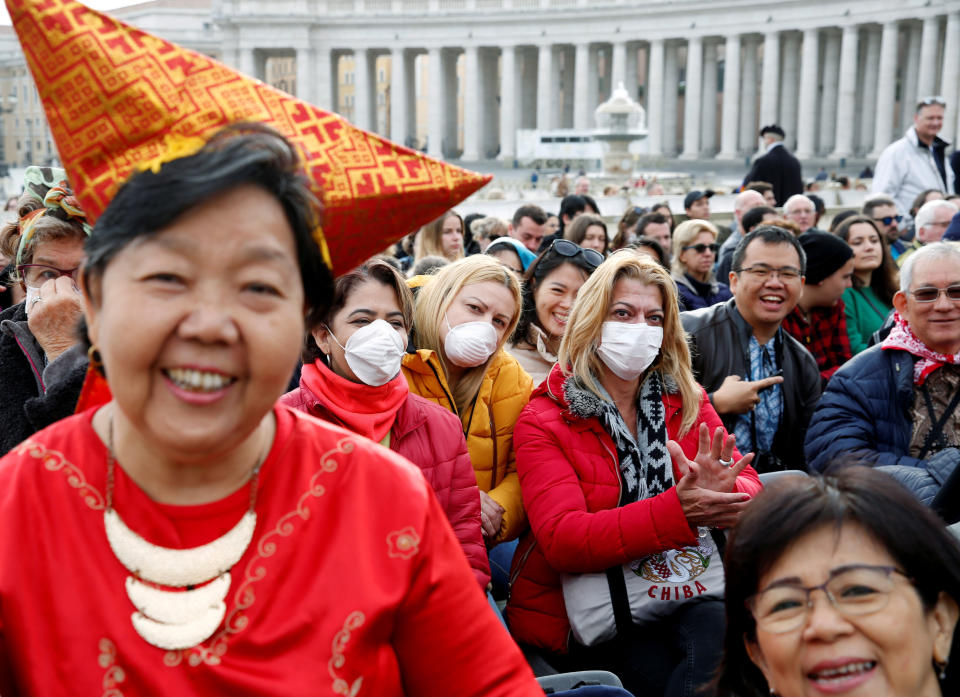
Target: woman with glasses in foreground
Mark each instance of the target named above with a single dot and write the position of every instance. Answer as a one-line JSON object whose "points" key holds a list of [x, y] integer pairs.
{"points": [[41, 379], [694, 255], [842, 585]]}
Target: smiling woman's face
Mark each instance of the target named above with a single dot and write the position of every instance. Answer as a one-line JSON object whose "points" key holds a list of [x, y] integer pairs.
{"points": [[200, 324], [887, 653]]}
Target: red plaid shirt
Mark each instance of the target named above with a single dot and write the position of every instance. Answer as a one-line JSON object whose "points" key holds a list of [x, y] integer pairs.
{"points": [[825, 336]]}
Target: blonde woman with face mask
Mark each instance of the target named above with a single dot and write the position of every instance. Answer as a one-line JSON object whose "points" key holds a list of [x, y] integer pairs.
{"points": [[462, 318]]}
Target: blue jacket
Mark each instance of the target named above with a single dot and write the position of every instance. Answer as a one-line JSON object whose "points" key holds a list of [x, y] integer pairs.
{"points": [[952, 233], [864, 417]]}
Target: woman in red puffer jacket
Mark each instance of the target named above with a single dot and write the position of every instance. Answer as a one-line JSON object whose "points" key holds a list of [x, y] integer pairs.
{"points": [[599, 449], [351, 377]]}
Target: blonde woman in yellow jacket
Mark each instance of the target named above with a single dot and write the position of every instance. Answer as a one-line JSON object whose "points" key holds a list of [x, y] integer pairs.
{"points": [[462, 318]]}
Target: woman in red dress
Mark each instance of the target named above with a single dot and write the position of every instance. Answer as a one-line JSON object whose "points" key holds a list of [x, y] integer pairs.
{"points": [[190, 537]]}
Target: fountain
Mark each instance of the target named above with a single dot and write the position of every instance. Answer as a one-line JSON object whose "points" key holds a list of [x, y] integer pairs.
{"points": [[620, 121]]}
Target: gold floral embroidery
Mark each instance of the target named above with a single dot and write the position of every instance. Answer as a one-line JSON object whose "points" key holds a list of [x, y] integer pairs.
{"points": [[114, 674], [403, 544], [244, 597], [55, 461], [354, 621]]}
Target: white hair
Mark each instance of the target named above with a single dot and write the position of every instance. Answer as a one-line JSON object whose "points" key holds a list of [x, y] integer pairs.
{"points": [[933, 250], [798, 197], [928, 212]]}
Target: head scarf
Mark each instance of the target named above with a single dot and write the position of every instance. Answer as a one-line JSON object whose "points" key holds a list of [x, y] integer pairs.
{"points": [[902, 338], [49, 186]]}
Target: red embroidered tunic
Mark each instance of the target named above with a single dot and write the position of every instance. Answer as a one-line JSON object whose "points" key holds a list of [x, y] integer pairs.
{"points": [[353, 583]]}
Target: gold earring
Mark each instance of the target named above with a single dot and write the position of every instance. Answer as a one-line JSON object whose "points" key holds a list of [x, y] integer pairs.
{"points": [[93, 356]]}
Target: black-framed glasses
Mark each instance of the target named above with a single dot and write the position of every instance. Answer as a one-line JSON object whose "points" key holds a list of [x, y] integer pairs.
{"points": [[35, 275], [887, 219], [763, 272], [566, 248], [853, 591], [701, 248], [930, 294]]}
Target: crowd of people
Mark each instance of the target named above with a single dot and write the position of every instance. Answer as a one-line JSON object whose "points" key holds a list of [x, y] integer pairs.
{"points": [[591, 414]]}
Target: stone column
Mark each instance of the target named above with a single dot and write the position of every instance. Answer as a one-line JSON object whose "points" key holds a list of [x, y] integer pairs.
{"points": [[326, 80], [847, 93], [489, 109], [399, 127], [362, 111], [691, 112], [708, 102], [593, 92], [248, 62], [929, 43], [581, 86], [807, 115], [618, 73], [731, 100], [565, 117], [748, 98], [671, 79], [508, 103], [451, 139], [436, 121], [908, 88], [951, 77], [305, 81], [632, 78], [828, 100], [868, 102], [789, 97], [545, 91], [886, 86], [655, 98], [527, 88], [471, 105], [770, 81]]}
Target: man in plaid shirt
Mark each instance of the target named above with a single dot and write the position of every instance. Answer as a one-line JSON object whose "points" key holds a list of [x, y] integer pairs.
{"points": [[818, 320]]}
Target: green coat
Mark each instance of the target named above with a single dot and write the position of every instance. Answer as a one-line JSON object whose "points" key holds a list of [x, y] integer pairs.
{"points": [[865, 314]]}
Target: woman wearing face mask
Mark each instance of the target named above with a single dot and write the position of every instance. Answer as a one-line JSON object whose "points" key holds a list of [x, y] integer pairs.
{"points": [[463, 317], [620, 457], [351, 377]]}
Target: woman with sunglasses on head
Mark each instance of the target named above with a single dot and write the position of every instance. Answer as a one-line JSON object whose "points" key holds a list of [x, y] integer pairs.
{"points": [[694, 253], [845, 585], [41, 366], [550, 288]]}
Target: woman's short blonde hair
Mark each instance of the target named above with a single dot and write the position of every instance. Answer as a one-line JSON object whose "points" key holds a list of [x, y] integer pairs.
{"points": [[435, 298], [687, 232], [578, 350], [428, 242]]}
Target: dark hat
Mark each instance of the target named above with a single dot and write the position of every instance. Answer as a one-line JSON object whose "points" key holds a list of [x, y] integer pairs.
{"points": [[772, 128], [826, 253], [696, 195]]}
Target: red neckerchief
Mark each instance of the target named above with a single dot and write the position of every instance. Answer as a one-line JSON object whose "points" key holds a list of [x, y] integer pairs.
{"points": [[902, 338]]}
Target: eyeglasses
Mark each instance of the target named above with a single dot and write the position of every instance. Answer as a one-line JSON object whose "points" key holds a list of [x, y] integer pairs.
{"points": [[701, 248], [887, 219], [931, 294], [853, 591], [566, 248], [763, 272], [35, 275]]}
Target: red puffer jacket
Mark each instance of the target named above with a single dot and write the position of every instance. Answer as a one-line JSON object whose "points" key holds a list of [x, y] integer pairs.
{"points": [[570, 481], [430, 437]]}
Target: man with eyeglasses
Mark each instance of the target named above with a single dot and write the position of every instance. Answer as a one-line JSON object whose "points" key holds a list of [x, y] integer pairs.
{"points": [[762, 382], [896, 404], [803, 211], [917, 161], [932, 221], [882, 210]]}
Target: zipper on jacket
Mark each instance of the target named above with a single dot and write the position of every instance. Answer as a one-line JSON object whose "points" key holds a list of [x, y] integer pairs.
{"points": [[453, 405], [493, 435], [523, 560], [616, 471]]}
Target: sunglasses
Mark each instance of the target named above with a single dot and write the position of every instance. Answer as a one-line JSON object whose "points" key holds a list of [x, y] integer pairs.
{"points": [[887, 219], [931, 295], [701, 248], [566, 248], [930, 101]]}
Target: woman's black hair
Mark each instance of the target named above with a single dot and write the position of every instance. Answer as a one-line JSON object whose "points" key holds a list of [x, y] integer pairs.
{"points": [[240, 154], [539, 269], [884, 279], [787, 510], [650, 243]]}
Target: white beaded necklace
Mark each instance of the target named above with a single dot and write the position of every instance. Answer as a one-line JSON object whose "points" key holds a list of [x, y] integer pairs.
{"points": [[183, 618]]}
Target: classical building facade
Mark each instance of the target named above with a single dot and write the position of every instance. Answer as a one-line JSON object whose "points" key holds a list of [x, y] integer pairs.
{"points": [[460, 77]]}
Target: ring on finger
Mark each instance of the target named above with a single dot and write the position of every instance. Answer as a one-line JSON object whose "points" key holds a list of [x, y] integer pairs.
{"points": [[727, 463]]}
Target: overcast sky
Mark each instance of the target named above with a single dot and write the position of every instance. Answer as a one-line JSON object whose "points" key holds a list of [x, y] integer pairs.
{"points": [[95, 4]]}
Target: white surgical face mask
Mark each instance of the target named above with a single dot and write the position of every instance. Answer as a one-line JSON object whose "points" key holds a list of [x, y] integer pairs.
{"points": [[470, 344], [32, 295], [629, 349], [374, 352]]}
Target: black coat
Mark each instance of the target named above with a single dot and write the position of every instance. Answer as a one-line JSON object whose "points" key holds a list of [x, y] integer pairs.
{"points": [[717, 336], [24, 407], [781, 169]]}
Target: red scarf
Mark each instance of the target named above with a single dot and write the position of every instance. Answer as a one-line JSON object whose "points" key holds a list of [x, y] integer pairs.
{"points": [[369, 411], [902, 338]]}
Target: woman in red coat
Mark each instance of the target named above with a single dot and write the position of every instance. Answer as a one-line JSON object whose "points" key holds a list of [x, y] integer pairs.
{"points": [[351, 377], [621, 456]]}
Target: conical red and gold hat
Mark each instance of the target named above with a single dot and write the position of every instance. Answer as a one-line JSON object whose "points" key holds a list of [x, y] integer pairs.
{"points": [[120, 100]]}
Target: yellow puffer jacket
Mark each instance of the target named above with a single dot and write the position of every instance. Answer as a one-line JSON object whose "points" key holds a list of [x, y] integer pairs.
{"points": [[488, 426]]}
